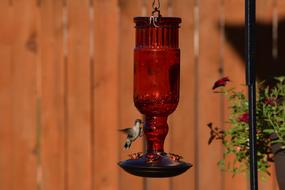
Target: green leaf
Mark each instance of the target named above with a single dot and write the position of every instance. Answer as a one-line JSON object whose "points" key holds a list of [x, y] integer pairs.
{"points": [[269, 131]]}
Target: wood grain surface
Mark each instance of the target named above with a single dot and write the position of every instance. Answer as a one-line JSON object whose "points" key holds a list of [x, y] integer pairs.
{"points": [[66, 87]]}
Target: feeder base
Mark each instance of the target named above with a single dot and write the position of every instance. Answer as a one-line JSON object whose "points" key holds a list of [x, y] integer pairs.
{"points": [[163, 166]]}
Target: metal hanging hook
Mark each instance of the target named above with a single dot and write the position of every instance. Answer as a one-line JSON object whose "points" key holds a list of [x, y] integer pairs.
{"points": [[153, 20], [155, 13]]}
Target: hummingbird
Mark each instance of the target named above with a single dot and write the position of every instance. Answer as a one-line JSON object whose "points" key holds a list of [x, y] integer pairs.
{"points": [[133, 133]]}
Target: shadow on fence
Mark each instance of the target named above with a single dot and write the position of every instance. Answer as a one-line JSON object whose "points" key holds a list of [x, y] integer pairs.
{"points": [[268, 64]]}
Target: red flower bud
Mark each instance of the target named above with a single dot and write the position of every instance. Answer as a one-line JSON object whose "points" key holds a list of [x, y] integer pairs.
{"points": [[221, 82], [244, 117]]}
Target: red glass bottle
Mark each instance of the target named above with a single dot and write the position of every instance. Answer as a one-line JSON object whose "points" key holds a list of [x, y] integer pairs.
{"points": [[156, 93], [156, 76]]}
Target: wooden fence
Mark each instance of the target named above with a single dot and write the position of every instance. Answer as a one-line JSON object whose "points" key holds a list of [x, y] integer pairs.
{"points": [[66, 88]]}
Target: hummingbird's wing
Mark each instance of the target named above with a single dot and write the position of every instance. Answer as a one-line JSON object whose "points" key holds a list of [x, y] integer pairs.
{"points": [[126, 130], [131, 133]]}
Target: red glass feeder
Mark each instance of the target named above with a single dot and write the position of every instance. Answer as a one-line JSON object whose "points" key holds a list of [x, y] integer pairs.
{"points": [[156, 93]]}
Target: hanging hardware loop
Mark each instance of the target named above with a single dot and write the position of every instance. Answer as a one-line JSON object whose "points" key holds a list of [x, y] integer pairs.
{"points": [[155, 13]]}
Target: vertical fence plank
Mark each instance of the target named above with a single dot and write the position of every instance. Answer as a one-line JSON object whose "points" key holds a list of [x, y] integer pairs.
{"points": [[234, 68], [24, 64], [6, 92], [19, 55], [278, 19], [106, 67], [127, 111], [159, 183], [53, 92], [6, 141], [264, 10], [79, 128], [210, 104], [279, 9], [183, 119]]}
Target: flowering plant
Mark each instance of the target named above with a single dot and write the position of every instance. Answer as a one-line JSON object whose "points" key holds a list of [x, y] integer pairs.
{"points": [[270, 125]]}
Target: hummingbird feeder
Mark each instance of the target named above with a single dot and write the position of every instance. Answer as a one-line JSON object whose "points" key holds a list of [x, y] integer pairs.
{"points": [[156, 93]]}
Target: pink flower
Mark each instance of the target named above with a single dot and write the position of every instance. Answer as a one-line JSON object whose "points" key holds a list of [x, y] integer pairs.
{"points": [[221, 82], [270, 101], [244, 117]]}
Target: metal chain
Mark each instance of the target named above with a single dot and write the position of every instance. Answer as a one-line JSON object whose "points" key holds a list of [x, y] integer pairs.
{"points": [[156, 8], [156, 5]]}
